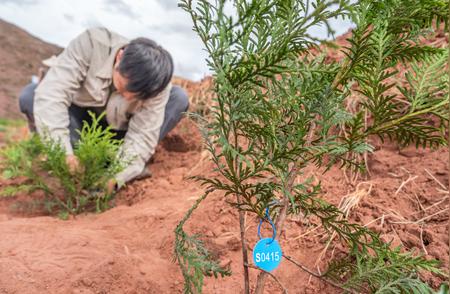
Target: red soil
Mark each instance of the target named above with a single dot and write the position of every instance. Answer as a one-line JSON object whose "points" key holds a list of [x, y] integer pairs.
{"points": [[21, 56], [129, 249]]}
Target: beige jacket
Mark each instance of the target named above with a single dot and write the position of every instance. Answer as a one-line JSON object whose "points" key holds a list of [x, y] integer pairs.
{"points": [[82, 75]]}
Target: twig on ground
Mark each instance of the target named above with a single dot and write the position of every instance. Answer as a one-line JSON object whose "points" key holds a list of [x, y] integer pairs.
{"points": [[285, 291], [394, 175], [432, 205], [352, 200], [396, 214], [437, 203], [318, 270], [347, 203], [319, 234], [317, 275], [405, 170], [332, 252], [436, 180], [422, 219], [306, 233], [418, 201], [374, 220], [410, 178]]}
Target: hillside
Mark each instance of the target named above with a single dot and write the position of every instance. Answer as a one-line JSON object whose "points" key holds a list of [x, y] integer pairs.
{"points": [[21, 56]]}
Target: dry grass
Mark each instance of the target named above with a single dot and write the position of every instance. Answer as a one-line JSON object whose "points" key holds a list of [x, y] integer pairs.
{"points": [[346, 205]]}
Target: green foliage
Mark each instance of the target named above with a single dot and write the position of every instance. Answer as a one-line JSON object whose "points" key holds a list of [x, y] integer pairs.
{"points": [[97, 151], [194, 259], [444, 289], [43, 162], [11, 191], [387, 271], [383, 42], [404, 285], [18, 157], [278, 108], [63, 215], [9, 128], [4, 123]]}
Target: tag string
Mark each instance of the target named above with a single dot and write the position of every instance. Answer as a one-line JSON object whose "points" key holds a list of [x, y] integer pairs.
{"points": [[274, 230]]}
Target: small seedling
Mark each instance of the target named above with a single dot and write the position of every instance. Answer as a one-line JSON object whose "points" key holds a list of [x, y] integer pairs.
{"points": [[42, 163]]}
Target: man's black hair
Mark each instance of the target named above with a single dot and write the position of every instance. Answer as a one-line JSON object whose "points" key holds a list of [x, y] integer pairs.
{"points": [[147, 66]]}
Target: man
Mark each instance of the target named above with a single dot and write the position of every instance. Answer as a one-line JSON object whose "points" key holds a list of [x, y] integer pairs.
{"points": [[102, 71]]}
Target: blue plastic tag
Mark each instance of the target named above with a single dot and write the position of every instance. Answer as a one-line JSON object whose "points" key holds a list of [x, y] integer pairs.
{"points": [[267, 254]]}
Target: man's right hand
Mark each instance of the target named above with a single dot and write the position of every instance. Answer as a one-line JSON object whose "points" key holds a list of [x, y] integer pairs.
{"points": [[73, 163]]}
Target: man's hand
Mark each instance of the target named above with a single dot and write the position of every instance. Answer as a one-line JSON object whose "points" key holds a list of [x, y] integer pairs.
{"points": [[111, 186], [73, 163]]}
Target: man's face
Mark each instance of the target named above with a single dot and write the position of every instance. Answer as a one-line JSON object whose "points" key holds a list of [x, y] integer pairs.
{"points": [[120, 82]]}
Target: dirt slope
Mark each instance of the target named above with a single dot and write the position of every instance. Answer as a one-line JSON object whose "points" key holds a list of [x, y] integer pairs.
{"points": [[21, 56], [129, 249]]}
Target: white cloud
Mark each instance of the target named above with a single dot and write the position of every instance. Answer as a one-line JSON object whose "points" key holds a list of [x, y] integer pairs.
{"points": [[59, 21], [120, 7], [19, 2]]}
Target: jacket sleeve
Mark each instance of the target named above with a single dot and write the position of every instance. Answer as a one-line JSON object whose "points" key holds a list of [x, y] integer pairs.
{"points": [[54, 94], [142, 136]]}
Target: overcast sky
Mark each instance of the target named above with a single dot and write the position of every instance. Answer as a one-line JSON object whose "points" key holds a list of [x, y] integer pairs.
{"points": [[59, 21]]}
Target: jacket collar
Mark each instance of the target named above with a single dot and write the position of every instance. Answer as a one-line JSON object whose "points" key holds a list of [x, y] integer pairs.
{"points": [[106, 70]]}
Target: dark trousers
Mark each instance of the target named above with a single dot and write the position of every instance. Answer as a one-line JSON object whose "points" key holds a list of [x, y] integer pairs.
{"points": [[177, 104]]}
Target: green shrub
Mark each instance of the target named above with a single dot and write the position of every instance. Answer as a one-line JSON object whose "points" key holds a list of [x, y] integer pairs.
{"points": [[43, 163], [279, 108]]}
